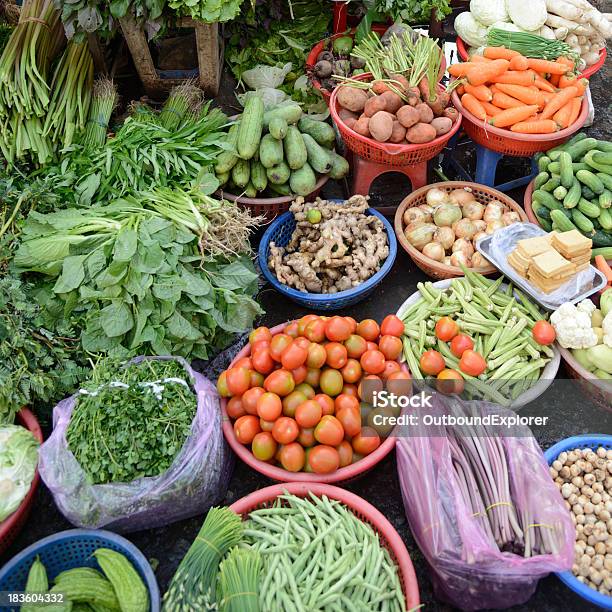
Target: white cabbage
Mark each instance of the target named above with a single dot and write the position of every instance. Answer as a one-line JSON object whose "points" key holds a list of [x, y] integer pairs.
{"points": [[506, 25], [470, 30], [489, 11], [529, 15]]}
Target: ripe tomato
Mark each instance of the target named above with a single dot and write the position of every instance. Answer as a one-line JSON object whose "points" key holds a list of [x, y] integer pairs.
{"points": [[323, 459], [278, 344], [345, 401], [396, 383], [446, 329], [336, 355], [543, 332], [260, 344], [292, 401], [238, 380], [256, 379], [306, 389], [249, 399], [316, 356], [303, 342], [292, 457], [280, 382], [392, 326], [356, 346], [264, 446], [306, 436], [461, 343], [352, 372], [350, 389], [373, 362], [391, 367], [285, 430], [244, 362], [329, 431], [345, 452], [337, 329], [315, 330], [293, 356], [368, 329], [246, 428], [390, 347], [266, 425], [235, 408], [366, 390], [303, 322], [307, 467], [222, 389], [261, 333], [350, 419], [269, 406], [331, 382], [472, 363], [291, 329], [299, 374], [262, 360], [326, 402], [431, 362], [308, 414], [450, 381], [366, 441], [371, 346], [352, 323], [313, 375]]}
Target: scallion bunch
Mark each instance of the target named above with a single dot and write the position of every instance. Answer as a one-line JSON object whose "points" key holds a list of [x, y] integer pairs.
{"points": [[530, 45], [239, 581], [103, 102], [183, 100]]}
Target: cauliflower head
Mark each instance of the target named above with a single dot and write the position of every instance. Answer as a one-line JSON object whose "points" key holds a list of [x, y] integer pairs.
{"points": [[573, 326]]}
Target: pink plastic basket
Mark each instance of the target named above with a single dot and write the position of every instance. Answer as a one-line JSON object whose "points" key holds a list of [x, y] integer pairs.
{"points": [[11, 526], [389, 538], [278, 474], [386, 152]]}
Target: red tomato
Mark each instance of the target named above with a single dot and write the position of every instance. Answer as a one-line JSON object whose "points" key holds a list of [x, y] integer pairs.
{"points": [[391, 367], [371, 346], [431, 362], [313, 375], [262, 360], [278, 344], [390, 347], [306, 436], [396, 384], [316, 356], [266, 425], [352, 372], [307, 467], [345, 452], [280, 382], [285, 430], [244, 362], [337, 329], [292, 401], [293, 356], [345, 401], [323, 459], [261, 333], [352, 323], [446, 329], [299, 374], [222, 389], [249, 399], [450, 381], [329, 431], [260, 344], [331, 382], [292, 457], [392, 326], [326, 402], [336, 355], [373, 362], [291, 329], [308, 414], [235, 408], [263, 446], [350, 389], [256, 379], [356, 346], [269, 406], [366, 441], [306, 389], [543, 332], [375, 384], [350, 419], [302, 342], [303, 322], [461, 343], [238, 380], [368, 329], [246, 428], [315, 330], [472, 363]]}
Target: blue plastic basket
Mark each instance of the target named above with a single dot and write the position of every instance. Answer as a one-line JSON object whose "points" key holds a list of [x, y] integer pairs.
{"points": [[280, 231], [74, 548], [584, 441]]}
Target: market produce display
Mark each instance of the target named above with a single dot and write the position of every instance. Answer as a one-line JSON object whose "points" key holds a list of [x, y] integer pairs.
{"points": [[296, 399], [335, 246], [573, 190]]}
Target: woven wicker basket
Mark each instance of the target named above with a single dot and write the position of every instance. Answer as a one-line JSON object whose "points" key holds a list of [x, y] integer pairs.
{"points": [[434, 268]]}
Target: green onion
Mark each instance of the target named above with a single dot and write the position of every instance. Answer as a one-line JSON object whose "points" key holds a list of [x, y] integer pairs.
{"points": [[239, 581], [530, 45], [103, 102], [183, 100]]}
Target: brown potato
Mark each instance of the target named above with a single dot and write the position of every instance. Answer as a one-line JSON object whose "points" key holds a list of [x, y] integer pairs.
{"points": [[420, 133], [451, 112], [381, 126], [351, 98], [408, 116], [414, 96], [345, 114], [442, 125], [362, 126], [392, 102], [398, 133], [350, 122], [425, 113], [402, 81], [373, 105], [379, 87]]}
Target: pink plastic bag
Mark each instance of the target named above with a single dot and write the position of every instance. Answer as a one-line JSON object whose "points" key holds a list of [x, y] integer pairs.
{"points": [[467, 567]]}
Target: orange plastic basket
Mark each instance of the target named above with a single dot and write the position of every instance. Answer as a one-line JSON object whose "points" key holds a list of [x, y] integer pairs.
{"points": [[386, 152], [11, 526], [389, 538], [510, 143]]}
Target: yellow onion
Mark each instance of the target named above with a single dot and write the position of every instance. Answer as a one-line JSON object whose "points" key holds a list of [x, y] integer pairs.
{"points": [[481, 225], [479, 261], [428, 210], [420, 235], [414, 215], [478, 236], [464, 246], [434, 250], [460, 258], [436, 196], [445, 236], [493, 211], [493, 226], [511, 217], [446, 214], [461, 196], [473, 210], [465, 228]]}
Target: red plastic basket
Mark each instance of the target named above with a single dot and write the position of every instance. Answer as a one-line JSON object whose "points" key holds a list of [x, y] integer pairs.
{"points": [[587, 72], [386, 152], [278, 474], [389, 538], [11, 526], [510, 143]]}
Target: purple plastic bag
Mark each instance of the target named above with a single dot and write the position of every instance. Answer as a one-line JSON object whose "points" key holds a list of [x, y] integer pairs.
{"points": [[196, 480], [468, 569]]}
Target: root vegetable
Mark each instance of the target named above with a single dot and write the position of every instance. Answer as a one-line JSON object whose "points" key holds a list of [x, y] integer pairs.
{"points": [[426, 115], [408, 116], [434, 250], [590, 58], [451, 112], [401, 82], [443, 125], [438, 103], [381, 126], [479, 261], [465, 228], [428, 210], [398, 134], [564, 9], [414, 215], [373, 105], [379, 87], [323, 69], [473, 210], [511, 217], [350, 122], [420, 235], [435, 197], [352, 99], [447, 261], [461, 245], [345, 114], [461, 196], [362, 126], [554, 21], [460, 259], [421, 133], [446, 214], [445, 236], [392, 102]]}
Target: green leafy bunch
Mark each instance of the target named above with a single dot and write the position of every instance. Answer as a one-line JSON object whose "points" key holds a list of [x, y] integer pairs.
{"points": [[404, 11], [208, 11]]}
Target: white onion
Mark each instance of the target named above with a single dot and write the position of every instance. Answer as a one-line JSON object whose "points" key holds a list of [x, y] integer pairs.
{"points": [[420, 235], [428, 210], [445, 236], [479, 261], [434, 250], [465, 228], [446, 215], [413, 215], [508, 218], [464, 246], [478, 236], [481, 225], [493, 226], [435, 197], [473, 210], [461, 196], [460, 258]]}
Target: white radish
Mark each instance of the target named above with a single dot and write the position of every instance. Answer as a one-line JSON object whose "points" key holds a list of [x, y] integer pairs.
{"points": [[581, 64], [591, 57], [582, 40], [560, 33], [563, 9], [572, 40], [599, 22], [554, 21]]}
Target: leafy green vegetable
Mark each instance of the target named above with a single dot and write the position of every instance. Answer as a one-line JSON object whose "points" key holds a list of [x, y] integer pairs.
{"points": [[208, 11], [5, 33]]}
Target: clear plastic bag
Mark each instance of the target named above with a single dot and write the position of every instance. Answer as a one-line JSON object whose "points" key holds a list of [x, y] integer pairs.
{"points": [[467, 568], [196, 480]]}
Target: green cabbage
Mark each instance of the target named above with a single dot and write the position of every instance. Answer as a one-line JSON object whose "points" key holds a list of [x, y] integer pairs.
{"points": [[18, 461]]}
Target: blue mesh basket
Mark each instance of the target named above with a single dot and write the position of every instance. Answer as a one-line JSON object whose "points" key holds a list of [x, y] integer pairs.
{"points": [[585, 441], [74, 548], [280, 231]]}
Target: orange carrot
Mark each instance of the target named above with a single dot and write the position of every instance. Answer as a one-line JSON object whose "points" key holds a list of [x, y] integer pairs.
{"points": [[491, 109], [516, 77], [567, 61], [576, 106], [482, 92], [543, 84], [565, 80], [558, 100], [524, 94], [547, 95], [541, 65], [474, 106], [541, 126], [493, 88], [460, 90], [502, 100], [604, 268], [554, 79], [480, 74], [499, 53], [581, 85], [562, 116], [478, 59], [513, 115], [459, 70], [518, 62]]}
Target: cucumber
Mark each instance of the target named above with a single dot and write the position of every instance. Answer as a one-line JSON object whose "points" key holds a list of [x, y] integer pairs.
{"points": [[270, 151], [546, 199], [589, 158], [552, 183], [540, 179], [279, 174], [589, 208], [560, 192], [605, 251], [281, 190], [604, 145], [605, 219], [241, 173], [303, 180], [586, 192], [250, 191], [223, 178], [543, 221], [555, 167], [543, 213], [251, 127], [578, 149], [291, 113], [605, 198], [318, 157], [278, 127], [563, 147], [587, 178], [573, 195], [565, 170], [606, 179], [259, 178], [602, 157], [601, 239], [543, 163], [561, 221], [322, 132], [340, 167], [227, 159], [295, 149], [582, 222]]}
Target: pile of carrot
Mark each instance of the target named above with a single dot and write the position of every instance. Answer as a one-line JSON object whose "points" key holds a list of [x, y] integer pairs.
{"points": [[527, 95]]}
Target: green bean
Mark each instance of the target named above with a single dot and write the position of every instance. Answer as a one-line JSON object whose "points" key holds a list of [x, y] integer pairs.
{"points": [[422, 333], [412, 361]]}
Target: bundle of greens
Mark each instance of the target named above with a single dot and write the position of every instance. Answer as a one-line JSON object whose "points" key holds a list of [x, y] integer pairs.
{"points": [[152, 401], [5, 33], [208, 11], [103, 100]]}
